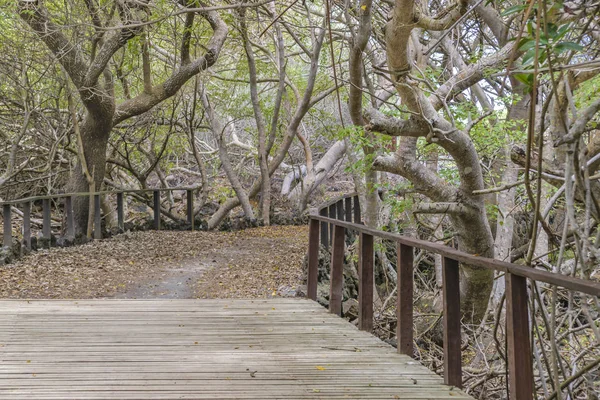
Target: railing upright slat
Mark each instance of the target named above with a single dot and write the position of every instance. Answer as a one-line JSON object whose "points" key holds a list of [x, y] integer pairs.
{"points": [[520, 366], [404, 309], [357, 217], [337, 270], [332, 215], [365, 283], [348, 208], [27, 224], [6, 209], [156, 195], [339, 209], [70, 220], [451, 295], [190, 207], [120, 212], [46, 229], [97, 217], [313, 259], [324, 230]]}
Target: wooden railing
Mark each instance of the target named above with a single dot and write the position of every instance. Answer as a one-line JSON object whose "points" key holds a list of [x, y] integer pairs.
{"points": [[341, 214], [25, 204]]}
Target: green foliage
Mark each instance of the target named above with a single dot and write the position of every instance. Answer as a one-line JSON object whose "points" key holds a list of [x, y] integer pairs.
{"points": [[552, 43], [362, 140]]}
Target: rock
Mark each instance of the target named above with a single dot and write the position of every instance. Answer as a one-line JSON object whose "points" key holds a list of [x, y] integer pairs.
{"points": [[350, 309], [65, 241], [323, 294], [6, 255], [34, 243], [301, 291], [45, 243], [241, 222], [290, 291], [80, 239], [209, 208]]}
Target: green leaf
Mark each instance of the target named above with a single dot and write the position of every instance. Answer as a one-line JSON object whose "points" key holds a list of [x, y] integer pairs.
{"points": [[526, 44], [527, 79], [566, 46], [528, 56], [513, 10]]}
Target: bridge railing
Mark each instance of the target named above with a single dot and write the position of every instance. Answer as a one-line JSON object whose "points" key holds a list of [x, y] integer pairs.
{"points": [[25, 206], [328, 227]]}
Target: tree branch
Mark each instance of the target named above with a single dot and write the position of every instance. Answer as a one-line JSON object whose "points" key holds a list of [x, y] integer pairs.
{"points": [[67, 54], [145, 101]]}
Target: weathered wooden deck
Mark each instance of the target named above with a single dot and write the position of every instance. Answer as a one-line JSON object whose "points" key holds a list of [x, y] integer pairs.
{"points": [[199, 349]]}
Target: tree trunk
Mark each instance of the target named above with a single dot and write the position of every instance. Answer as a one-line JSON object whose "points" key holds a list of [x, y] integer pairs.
{"points": [[95, 132]]}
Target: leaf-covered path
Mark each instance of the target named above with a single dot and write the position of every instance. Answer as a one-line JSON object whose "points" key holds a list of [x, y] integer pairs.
{"points": [[253, 263]]}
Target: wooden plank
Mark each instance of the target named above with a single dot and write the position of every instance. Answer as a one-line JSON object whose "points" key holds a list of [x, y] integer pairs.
{"points": [[199, 349], [451, 295], [365, 282], [520, 366], [357, 217], [6, 210], [27, 225], [313, 259], [70, 220], [120, 212], [97, 217], [337, 270], [404, 308]]}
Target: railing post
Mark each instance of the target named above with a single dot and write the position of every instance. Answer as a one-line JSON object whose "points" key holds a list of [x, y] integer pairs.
{"points": [[46, 229], [190, 207], [97, 218], [348, 208], [69, 217], [520, 366], [313, 260], [27, 225], [7, 225], [404, 309], [357, 217], [365, 282], [120, 212], [324, 230], [156, 210], [337, 270], [451, 294]]}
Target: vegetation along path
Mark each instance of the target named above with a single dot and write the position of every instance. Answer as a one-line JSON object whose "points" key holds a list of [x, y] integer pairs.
{"points": [[259, 263]]}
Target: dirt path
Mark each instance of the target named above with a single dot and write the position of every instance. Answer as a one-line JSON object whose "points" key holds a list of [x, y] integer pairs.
{"points": [[258, 263]]}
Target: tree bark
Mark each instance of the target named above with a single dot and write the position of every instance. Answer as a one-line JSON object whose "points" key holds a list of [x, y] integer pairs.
{"points": [[471, 223]]}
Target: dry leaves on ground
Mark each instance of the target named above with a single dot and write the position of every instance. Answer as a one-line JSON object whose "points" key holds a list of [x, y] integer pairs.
{"points": [[249, 263]]}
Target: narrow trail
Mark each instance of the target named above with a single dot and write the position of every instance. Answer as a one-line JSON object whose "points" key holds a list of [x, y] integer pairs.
{"points": [[253, 263]]}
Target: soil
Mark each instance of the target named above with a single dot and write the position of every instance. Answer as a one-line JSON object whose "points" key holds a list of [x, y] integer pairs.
{"points": [[252, 263]]}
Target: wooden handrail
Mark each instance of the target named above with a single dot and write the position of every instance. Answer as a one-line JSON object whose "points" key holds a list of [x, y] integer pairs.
{"points": [[70, 226], [335, 216], [568, 282], [83, 194]]}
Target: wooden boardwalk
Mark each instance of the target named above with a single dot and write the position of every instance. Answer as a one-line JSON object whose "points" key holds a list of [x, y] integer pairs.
{"points": [[199, 349]]}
